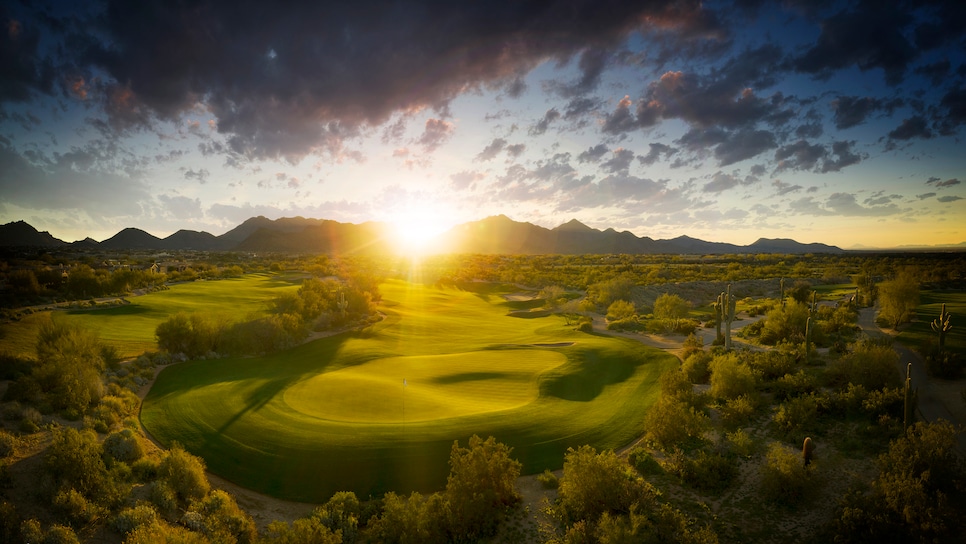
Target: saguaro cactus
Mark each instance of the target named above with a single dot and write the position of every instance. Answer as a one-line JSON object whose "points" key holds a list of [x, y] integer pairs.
{"points": [[941, 325], [342, 303], [717, 320], [813, 307], [808, 338], [726, 304], [808, 451], [781, 285], [909, 399]]}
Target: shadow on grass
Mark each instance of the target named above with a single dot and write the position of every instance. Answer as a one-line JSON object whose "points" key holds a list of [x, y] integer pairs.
{"points": [[587, 383], [469, 377]]}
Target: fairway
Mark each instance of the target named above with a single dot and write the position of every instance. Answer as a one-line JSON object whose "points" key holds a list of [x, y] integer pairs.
{"points": [[378, 410], [130, 328]]}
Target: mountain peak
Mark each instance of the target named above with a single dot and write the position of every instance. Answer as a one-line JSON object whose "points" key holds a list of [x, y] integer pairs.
{"points": [[574, 226]]}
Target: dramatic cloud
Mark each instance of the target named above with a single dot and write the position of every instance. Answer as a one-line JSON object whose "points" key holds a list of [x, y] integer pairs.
{"points": [[594, 154], [492, 150], [935, 182], [913, 127], [543, 124], [853, 110], [437, 131]]}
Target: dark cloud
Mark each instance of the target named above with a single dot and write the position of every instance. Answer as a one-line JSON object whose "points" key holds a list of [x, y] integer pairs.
{"points": [[593, 154], [785, 188], [935, 182], [744, 144], [844, 156], [325, 69], [845, 204], [924, 196], [591, 65], [935, 72], [23, 70], [850, 111], [437, 131], [721, 182], [872, 36], [492, 150], [544, 123], [200, 175], [800, 155], [950, 198], [619, 163], [912, 127], [515, 150], [655, 152], [953, 104]]}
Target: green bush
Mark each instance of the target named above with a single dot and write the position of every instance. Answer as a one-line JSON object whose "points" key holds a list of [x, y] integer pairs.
{"points": [[130, 519], [185, 474], [124, 446], [597, 483], [697, 367], [740, 443], [673, 422], [76, 508], [795, 385], [620, 310], [643, 462], [738, 411], [548, 480], [799, 415], [871, 364], [341, 514], [730, 378], [480, 487], [784, 479], [221, 520], [8, 444], [703, 470]]}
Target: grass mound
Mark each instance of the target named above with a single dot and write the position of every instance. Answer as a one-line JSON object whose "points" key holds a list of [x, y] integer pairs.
{"points": [[329, 416]]}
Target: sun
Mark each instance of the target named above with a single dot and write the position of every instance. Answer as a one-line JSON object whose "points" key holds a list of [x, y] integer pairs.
{"points": [[416, 230]]}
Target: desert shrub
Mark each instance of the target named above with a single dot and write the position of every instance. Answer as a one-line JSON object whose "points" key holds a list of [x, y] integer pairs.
{"points": [[786, 323], [784, 479], [739, 443], [76, 508], [480, 486], [341, 514], [408, 519], [771, 365], [884, 402], [673, 422], [548, 480], [628, 324], [691, 345], [643, 462], [850, 401], [130, 519], [70, 366], [738, 411], [871, 364], [301, 531], [915, 498], [799, 415], [220, 519], [670, 326], [730, 378], [585, 324], [60, 534], [795, 385], [945, 364], [594, 483], [697, 367], [669, 306], [184, 473], [163, 496], [620, 310], [162, 533], [8, 444], [660, 524], [74, 461], [145, 469], [124, 446], [703, 470], [675, 384]]}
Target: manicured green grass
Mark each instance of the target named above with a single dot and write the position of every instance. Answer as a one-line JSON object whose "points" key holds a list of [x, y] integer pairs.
{"points": [[131, 327], [334, 414], [919, 333]]}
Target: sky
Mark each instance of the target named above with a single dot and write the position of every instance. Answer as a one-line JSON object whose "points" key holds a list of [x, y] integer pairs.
{"points": [[834, 122]]}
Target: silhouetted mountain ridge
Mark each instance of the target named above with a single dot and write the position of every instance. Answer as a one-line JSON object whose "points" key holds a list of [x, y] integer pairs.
{"points": [[493, 235]]}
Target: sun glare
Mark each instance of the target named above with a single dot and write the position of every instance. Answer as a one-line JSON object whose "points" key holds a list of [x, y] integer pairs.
{"points": [[416, 230]]}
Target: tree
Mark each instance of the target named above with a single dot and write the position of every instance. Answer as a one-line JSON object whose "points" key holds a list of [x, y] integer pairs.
{"points": [[552, 295], [898, 297], [71, 362], [671, 307], [597, 483], [481, 485], [620, 309]]}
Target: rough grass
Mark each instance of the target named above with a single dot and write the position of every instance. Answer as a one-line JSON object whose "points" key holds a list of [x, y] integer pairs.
{"points": [[919, 334], [328, 415], [131, 327]]}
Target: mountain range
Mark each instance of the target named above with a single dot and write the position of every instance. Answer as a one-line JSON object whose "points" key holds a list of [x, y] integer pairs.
{"points": [[493, 235]]}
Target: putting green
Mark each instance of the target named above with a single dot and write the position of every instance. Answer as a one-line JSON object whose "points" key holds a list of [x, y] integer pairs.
{"points": [[434, 387], [334, 414]]}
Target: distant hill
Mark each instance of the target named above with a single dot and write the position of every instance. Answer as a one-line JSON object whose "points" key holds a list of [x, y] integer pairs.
{"points": [[20, 233], [494, 235], [132, 238]]}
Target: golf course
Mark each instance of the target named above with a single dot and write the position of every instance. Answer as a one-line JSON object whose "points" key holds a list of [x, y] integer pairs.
{"points": [[378, 409]]}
